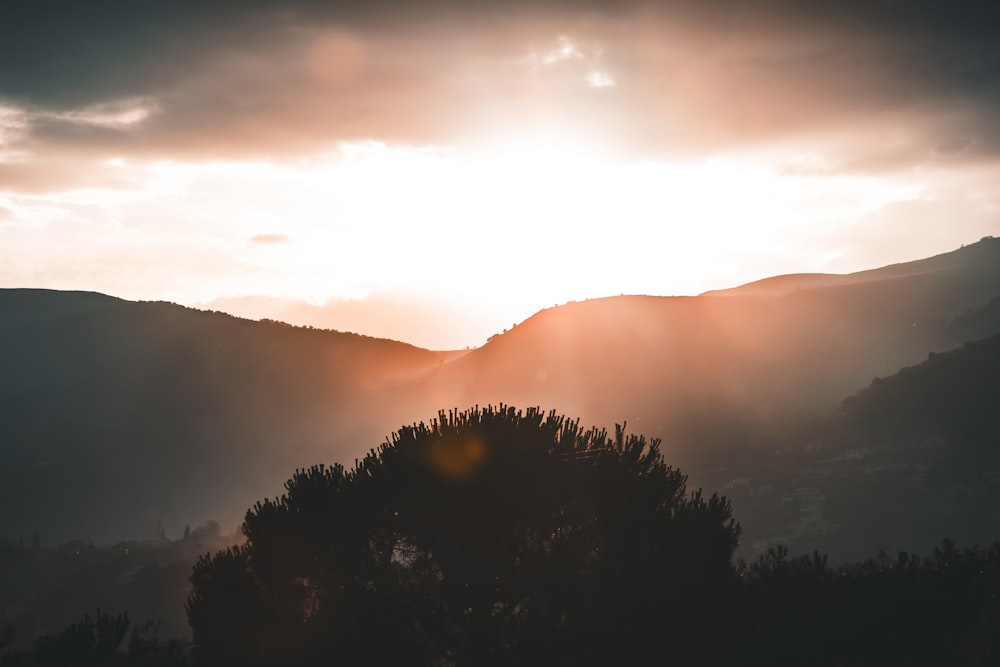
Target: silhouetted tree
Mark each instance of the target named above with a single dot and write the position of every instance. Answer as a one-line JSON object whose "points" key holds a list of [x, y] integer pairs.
{"points": [[487, 537]]}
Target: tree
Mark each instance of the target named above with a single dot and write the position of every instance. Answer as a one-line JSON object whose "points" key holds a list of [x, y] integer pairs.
{"points": [[491, 536]]}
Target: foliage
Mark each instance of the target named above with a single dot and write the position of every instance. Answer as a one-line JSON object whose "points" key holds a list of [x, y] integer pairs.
{"points": [[490, 536], [92, 641], [97, 642], [45, 590], [944, 609]]}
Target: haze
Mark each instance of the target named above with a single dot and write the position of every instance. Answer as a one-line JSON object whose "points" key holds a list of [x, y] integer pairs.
{"points": [[433, 172]]}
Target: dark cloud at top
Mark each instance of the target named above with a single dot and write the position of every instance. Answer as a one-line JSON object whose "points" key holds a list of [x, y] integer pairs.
{"points": [[239, 77], [63, 54], [73, 53]]}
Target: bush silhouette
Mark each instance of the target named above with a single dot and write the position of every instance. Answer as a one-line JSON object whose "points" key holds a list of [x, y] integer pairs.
{"points": [[491, 536]]}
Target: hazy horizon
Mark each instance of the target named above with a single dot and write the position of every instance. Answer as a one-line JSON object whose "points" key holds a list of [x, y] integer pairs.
{"points": [[408, 318], [423, 321]]}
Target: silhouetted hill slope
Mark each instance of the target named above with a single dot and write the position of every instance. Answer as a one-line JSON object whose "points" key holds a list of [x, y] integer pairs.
{"points": [[975, 324], [784, 284], [910, 459], [954, 396], [117, 413], [977, 257], [928, 442], [710, 370]]}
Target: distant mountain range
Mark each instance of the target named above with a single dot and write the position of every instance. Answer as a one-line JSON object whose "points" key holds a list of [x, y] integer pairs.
{"points": [[704, 370], [119, 414], [974, 258]]}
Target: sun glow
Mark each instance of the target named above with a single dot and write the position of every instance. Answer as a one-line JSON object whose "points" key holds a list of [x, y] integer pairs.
{"points": [[513, 224], [536, 165]]}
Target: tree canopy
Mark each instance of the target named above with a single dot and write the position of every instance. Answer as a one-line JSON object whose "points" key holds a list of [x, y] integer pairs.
{"points": [[489, 536]]}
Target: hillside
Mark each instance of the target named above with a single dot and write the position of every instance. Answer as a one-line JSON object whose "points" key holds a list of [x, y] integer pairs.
{"points": [[118, 414], [713, 371], [977, 256], [903, 463], [906, 461], [953, 397]]}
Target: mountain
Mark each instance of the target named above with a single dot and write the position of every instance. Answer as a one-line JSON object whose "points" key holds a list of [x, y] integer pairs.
{"points": [[976, 257], [951, 397], [120, 415], [399, 316], [910, 459], [710, 373]]}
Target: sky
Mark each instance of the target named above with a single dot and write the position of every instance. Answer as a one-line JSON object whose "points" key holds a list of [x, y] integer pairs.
{"points": [[435, 171]]}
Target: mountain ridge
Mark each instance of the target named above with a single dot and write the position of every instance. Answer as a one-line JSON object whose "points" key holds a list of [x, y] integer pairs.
{"points": [[786, 283], [806, 348], [146, 411]]}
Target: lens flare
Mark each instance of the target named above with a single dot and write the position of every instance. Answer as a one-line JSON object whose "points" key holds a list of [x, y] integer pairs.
{"points": [[459, 458]]}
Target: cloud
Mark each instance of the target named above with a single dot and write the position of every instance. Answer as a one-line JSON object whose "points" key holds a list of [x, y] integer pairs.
{"points": [[269, 239], [236, 80], [598, 79], [53, 173], [118, 114], [152, 149], [956, 204], [565, 50]]}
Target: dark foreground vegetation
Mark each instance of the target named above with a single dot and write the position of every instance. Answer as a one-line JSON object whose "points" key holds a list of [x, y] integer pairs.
{"points": [[44, 589], [496, 537]]}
